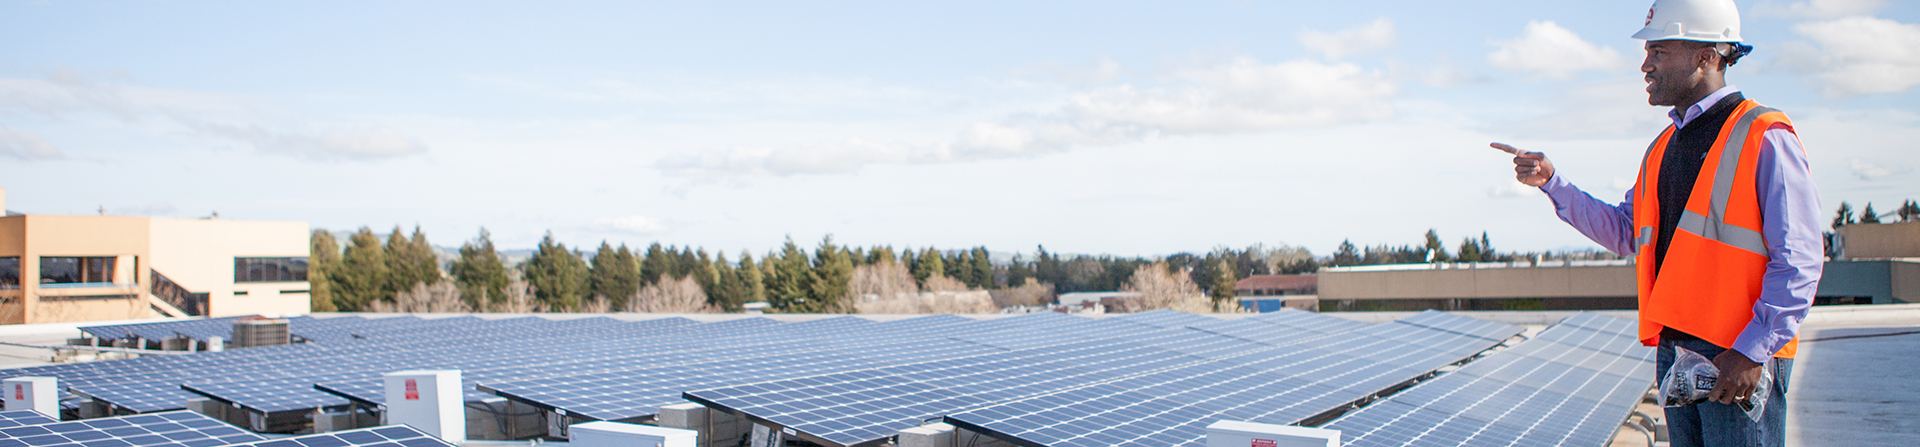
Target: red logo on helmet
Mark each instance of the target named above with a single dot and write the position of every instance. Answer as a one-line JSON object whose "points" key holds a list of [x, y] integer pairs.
{"points": [[1649, 16]]}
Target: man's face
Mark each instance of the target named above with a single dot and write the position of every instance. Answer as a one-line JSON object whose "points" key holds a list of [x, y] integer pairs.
{"points": [[1673, 70]]}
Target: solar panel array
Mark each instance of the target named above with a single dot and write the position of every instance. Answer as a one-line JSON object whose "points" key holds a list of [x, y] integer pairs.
{"points": [[1571, 385], [18, 418], [388, 436], [171, 429], [1070, 364], [1285, 383], [188, 429], [1155, 378]]}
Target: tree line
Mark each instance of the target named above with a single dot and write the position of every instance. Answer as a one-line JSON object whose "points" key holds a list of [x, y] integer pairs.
{"points": [[403, 273]]}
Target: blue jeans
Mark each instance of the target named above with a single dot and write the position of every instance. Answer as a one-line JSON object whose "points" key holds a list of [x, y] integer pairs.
{"points": [[1713, 424]]}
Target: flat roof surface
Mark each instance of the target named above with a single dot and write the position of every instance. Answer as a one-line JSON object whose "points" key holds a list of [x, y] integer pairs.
{"points": [[1852, 383]]}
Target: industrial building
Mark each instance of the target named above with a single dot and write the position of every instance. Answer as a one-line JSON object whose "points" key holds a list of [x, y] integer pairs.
{"points": [[63, 268]]}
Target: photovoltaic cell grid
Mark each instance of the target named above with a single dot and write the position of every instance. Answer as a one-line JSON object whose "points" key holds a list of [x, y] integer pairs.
{"points": [[632, 392], [153, 383], [1549, 391], [388, 436], [1278, 385], [1194, 364], [172, 429], [18, 418]]}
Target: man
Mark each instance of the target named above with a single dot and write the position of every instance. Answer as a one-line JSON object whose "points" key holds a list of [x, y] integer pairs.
{"points": [[1723, 223]]}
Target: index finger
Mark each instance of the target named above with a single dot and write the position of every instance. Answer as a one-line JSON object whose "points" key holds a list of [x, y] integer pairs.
{"points": [[1508, 149]]}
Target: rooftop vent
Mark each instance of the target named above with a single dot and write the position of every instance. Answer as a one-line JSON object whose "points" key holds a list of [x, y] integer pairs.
{"points": [[260, 331]]}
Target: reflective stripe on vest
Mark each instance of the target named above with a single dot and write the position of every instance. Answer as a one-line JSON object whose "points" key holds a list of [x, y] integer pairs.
{"points": [[1710, 279]]}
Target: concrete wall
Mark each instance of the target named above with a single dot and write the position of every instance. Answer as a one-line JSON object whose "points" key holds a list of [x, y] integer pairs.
{"points": [[1521, 282], [1880, 241], [198, 254], [32, 237]]}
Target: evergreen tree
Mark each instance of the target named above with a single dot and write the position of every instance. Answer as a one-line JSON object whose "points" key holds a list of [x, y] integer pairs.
{"points": [[881, 255], [1049, 269], [751, 279], [410, 261], [956, 266], [558, 276], [831, 278], [322, 259], [1470, 250], [787, 287], [657, 264], [1844, 217], [729, 292], [1908, 211], [1436, 251], [982, 267], [1346, 255], [1487, 253], [1220, 283], [480, 274], [1018, 271], [1868, 216], [928, 265], [363, 274], [615, 274]]}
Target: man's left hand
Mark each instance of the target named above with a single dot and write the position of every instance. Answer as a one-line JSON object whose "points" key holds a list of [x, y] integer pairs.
{"points": [[1739, 375]]}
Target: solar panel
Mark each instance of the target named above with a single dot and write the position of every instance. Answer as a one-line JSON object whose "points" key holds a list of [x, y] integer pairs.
{"points": [[1491, 330], [18, 418], [172, 429], [1539, 392], [1128, 418], [1164, 318], [387, 436]]}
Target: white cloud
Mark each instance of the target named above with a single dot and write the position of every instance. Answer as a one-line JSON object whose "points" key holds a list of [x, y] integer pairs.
{"points": [[1362, 39], [1856, 56], [1611, 109], [638, 225], [1547, 50], [1241, 95], [1869, 171], [1513, 189], [1819, 9], [66, 92], [25, 146], [1105, 70]]}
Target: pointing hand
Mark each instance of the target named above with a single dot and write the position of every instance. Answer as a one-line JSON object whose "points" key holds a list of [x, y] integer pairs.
{"points": [[1531, 168]]}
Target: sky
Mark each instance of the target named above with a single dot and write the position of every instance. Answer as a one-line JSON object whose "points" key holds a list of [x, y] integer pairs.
{"points": [[1126, 128]]}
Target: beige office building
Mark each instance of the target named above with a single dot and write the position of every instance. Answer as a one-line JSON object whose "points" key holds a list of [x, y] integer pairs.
{"points": [[63, 268]]}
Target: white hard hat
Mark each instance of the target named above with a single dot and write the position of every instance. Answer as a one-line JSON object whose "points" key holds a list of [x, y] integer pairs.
{"points": [[1695, 20]]}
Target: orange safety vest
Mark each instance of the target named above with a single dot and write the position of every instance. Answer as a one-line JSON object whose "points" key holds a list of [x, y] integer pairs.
{"points": [[1710, 278]]}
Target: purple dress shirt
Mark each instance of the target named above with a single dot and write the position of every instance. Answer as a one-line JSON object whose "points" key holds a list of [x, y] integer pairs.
{"points": [[1789, 219]]}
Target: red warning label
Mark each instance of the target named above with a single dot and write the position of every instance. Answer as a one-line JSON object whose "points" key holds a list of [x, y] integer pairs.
{"points": [[1263, 443], [413, 393], [19, 393]]}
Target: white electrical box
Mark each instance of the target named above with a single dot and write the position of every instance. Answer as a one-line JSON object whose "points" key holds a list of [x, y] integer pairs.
{"points": [[33, 393], [1249, 434], [616, 434], [429, 400]]}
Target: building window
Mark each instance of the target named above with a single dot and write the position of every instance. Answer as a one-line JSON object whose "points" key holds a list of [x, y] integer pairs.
{"points": [[9, 272], [269, 269], [76, 269]]}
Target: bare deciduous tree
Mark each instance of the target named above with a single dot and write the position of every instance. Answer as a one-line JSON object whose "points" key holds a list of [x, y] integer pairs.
{"points": [[941, 283], [681, 295], [1033, 293], [887, 280], [972, 302], [442, 296], [519, 296], [598, 305], [1161, 289]]}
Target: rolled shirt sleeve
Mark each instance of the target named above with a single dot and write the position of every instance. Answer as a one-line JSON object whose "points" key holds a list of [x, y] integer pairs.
{"points": [[1606, 224], [1790, 221]]}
